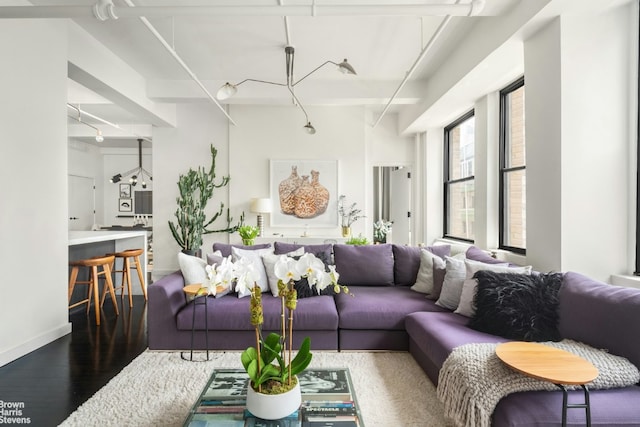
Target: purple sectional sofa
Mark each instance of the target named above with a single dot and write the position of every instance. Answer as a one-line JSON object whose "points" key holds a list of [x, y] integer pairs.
{"points": [[378, 276], [385, 314], [598, 314]]}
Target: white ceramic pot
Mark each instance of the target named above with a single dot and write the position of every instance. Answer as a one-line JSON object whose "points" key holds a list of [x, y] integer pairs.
{"points": [[273, 406]]}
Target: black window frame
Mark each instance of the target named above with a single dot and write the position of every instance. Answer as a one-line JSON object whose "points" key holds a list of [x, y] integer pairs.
{"points": [[504, 170], [446, 174]]}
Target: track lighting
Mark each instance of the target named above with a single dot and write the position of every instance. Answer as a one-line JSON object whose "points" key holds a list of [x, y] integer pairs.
{"points": [[115, 178], [228, 89]]}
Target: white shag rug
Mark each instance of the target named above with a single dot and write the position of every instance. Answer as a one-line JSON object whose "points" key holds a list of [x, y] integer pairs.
{"points": [[159, 389]]}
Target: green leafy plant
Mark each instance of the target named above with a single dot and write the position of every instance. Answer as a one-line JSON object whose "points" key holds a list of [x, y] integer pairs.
{"points": [[359, 240], [248, 233], [266, 376], [196, 188]]}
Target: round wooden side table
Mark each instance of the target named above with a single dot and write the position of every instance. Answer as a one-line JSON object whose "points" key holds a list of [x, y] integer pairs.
{"points": [[551, 364], [199, 294]]}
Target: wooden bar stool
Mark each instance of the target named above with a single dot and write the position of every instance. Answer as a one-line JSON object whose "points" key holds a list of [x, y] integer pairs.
{"points": [[126, 256], [94, 263]]}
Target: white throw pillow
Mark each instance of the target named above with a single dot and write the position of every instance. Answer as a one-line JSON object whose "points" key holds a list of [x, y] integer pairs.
{"points": [[473, 266], [193, 269], [270, 261], [255, 256], [452, 285], [470, 286], [424, 279]]}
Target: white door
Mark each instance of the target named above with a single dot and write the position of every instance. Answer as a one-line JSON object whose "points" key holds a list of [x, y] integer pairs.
{"points": [[81, 203], [400, 206]]}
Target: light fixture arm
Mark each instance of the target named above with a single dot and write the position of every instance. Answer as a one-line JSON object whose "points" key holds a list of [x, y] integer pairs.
{"points": [[314, 70], [260, 81]]}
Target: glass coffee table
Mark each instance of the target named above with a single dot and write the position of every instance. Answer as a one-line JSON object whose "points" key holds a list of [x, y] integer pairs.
{"points": [[328, 400]]}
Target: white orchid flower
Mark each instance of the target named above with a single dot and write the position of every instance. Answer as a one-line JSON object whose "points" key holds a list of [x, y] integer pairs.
{"points": [[310, 267], [285, 269], [323, 281], [246, 276]]}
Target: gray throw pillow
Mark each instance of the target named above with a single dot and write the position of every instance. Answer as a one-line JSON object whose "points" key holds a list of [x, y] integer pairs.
{"points": [[193, 269], [424, 279]]}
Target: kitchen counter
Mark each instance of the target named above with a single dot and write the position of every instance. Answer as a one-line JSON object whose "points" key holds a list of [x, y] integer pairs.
{"points": [[87, 244]]}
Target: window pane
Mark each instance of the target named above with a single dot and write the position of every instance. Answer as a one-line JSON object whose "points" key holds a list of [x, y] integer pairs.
{"points": [[460, 220], [461, 149], [515, 209], [514, 149]]}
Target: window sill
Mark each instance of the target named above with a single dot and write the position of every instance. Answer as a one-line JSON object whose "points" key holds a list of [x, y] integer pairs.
{"points": [[626, 280]]}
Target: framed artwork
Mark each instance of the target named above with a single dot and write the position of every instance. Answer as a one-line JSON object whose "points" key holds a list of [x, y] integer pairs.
{"points": [[304, 193], [125, 205], [125, 191]]}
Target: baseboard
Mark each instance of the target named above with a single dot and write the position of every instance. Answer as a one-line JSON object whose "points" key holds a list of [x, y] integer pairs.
{"points": [[34, 344]]}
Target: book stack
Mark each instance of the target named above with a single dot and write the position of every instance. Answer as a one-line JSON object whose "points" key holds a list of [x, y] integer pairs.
{"points": [[328, 400]]}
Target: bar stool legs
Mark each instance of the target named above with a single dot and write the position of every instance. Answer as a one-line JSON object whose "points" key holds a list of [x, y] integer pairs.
{"points": [[93, 263], [126, 256]]}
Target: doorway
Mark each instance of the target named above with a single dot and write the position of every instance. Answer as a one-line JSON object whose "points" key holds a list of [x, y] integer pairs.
{"points": [[82, 203], [392, 201]]}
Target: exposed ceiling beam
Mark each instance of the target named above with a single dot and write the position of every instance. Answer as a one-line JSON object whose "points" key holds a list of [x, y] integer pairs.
{"points": [[473, 8]]}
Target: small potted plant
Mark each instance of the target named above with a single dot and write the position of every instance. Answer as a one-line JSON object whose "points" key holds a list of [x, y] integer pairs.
{"points": [[273, 391], [381, 228], [248, 233], [348, 215]]}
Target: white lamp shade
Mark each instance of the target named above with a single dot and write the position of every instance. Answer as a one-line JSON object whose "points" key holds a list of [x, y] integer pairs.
{"points": [[261, 205]]}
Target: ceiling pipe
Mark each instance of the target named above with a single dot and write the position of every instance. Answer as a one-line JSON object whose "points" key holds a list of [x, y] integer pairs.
{"points": [[173, 53], [100, 119], [473, 8], [415, 65]]}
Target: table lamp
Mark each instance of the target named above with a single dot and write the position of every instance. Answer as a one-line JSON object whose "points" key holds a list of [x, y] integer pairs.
{"points": [[261, 206]]}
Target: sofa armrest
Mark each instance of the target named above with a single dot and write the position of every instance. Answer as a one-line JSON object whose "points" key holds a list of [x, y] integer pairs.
{"points": [[166, 299]]}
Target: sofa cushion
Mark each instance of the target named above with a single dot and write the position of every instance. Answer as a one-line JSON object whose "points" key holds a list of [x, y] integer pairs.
{"points": [[437, 334], [616, 407], [517, 306], [378, 307], [369, 265], [255, 257], [193, 269], [229, 313], [225, 248], [424, 280], [269, 261], [585, 303], [322, 251], [407, 262]]}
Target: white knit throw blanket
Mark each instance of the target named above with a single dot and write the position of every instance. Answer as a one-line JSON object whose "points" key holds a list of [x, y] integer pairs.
{"points": [[473, 379]]}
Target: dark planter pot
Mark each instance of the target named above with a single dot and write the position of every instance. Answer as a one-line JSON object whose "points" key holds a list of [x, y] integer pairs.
{"points": [[192, 252]]}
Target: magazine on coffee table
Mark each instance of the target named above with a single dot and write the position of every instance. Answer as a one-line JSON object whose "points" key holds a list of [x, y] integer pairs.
{"points": [[325, 384], [328, 400], [226, 384]]}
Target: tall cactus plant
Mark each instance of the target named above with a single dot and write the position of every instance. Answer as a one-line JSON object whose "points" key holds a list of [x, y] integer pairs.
{"points": [[196, 189]]}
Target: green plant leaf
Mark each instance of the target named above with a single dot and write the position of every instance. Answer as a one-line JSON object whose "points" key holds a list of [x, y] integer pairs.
{"points": [[303, 358]]}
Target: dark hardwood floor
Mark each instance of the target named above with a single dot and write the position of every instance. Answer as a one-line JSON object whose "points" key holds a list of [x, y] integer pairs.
{"points": [[54, 380]]}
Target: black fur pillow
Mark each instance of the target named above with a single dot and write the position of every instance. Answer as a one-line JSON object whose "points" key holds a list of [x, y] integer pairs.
{"points": [[517, 306]]}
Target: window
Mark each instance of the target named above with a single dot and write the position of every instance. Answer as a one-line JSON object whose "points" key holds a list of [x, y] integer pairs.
{"points": [[637, 269], [459, 191], [513, 177]]}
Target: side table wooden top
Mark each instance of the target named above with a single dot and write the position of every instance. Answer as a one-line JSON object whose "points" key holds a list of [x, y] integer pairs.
{"points": [[546, 363], [194, 289]]}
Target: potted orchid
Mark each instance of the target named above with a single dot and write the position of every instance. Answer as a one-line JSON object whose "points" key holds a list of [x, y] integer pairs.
{"points": [[274, 391]]}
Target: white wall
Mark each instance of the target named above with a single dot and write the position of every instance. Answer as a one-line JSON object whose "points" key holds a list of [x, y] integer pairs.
{"points": [[33, 218], [175, 150], [576, 74], [275, 132]]}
